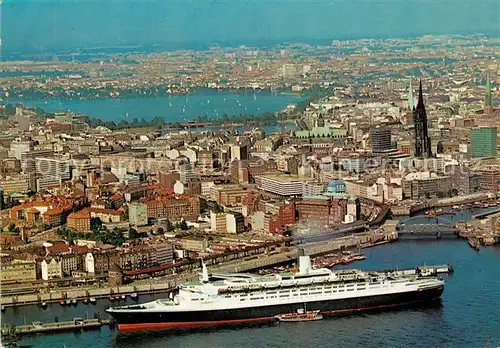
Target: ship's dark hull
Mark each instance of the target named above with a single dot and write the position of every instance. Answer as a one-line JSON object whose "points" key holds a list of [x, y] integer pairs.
{"points": [[133, 320]]}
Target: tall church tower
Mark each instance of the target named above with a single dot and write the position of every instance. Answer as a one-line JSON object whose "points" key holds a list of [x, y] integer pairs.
{"points": [[488, 106], [422, 139], [411, 102]]}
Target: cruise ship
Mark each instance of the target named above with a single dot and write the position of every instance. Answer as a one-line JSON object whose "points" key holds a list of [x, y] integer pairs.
{"points": [[228, 299]]}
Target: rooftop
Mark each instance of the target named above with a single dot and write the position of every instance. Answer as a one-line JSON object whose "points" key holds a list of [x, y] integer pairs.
{"points": [[288, 178]]}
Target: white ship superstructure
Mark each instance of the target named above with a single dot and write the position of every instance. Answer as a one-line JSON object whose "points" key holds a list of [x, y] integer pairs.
{"points": [[223, 296]]}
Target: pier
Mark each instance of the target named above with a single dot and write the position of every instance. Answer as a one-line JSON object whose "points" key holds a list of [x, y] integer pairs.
{"points": [[73, 325]]}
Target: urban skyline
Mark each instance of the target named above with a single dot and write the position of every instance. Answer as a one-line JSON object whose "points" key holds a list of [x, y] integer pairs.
{"points": [[174, 25]]}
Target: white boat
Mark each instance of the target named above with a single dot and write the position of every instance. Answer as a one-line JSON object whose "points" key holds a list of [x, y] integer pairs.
{"points": [[301, 315], [222, 299]]}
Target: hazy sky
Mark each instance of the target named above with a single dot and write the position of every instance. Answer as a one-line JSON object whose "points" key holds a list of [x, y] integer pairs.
{"points": [[33, 25]]}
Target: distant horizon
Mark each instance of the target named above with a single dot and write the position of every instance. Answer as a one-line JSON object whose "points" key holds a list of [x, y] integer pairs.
{"points": [[45, 27], [203, 46]]}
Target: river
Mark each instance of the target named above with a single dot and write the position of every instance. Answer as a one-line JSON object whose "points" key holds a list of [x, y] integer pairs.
{"points": [[467, 316]]}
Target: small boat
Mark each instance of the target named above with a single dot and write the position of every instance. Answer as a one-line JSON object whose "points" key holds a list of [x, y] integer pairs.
{"points": [[301, 315], [85, 300], [111, 298], [117, 298], [3, 309], [93, 300], [134, 296], [124, 297], [68, 302], [74, 302], [62, 303], [44, 305]]}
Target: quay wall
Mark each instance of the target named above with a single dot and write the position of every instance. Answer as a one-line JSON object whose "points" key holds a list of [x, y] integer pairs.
{"points": [[360, 240]]}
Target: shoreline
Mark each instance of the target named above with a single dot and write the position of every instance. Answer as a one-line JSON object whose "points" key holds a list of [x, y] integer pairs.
{"points": [[313, 249], [195, 91]]}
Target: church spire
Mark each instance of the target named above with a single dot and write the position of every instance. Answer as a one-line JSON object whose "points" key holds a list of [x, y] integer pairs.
{"points": [[420, 95], [487, 96], [411, 101], [422, 139]]}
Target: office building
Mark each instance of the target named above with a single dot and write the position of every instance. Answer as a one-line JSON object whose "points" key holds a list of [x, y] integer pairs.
{"points": [[483, 142], [51, 172], [138, 214], [381, 139]]}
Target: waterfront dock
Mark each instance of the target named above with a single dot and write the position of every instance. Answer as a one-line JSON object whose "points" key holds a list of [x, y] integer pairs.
{"points": [[73, 325], [248, 264], [424, 270]]}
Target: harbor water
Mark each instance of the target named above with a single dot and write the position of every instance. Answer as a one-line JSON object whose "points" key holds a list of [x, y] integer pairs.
{"points": [[468, 315]]}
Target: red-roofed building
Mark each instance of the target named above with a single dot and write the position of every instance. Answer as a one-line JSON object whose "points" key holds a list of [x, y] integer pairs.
{"points": [[106, 215], [56, 216], [59, 248], [174, 208], [79, 221], [32, 215]]}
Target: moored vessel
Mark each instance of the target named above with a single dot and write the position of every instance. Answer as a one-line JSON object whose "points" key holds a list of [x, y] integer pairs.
{"points": [[301, 315], [227, 299]]}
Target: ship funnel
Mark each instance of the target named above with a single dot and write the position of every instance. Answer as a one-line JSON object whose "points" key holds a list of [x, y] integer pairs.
{"points": [[204, 274], [304, 264]]}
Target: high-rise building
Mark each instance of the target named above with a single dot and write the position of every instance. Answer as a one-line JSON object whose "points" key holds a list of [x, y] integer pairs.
{"points": [[19, 147], [51, 172], [239, 152], [186, 172], [483, 142], [381, 139], [422, 139], [138, 214], [488, 106]]}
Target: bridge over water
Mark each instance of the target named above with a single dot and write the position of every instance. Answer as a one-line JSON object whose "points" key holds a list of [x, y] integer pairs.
{"points": [[427, 231], [486, 213]]}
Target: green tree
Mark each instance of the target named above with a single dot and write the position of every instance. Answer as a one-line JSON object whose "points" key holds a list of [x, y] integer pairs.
{"points": [[132, 233], [170, 226], [183, 225], [158, 121], [95, 224]]}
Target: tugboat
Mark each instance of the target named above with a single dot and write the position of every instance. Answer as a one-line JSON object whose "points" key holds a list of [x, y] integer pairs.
{"points": [[301, 315]]}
